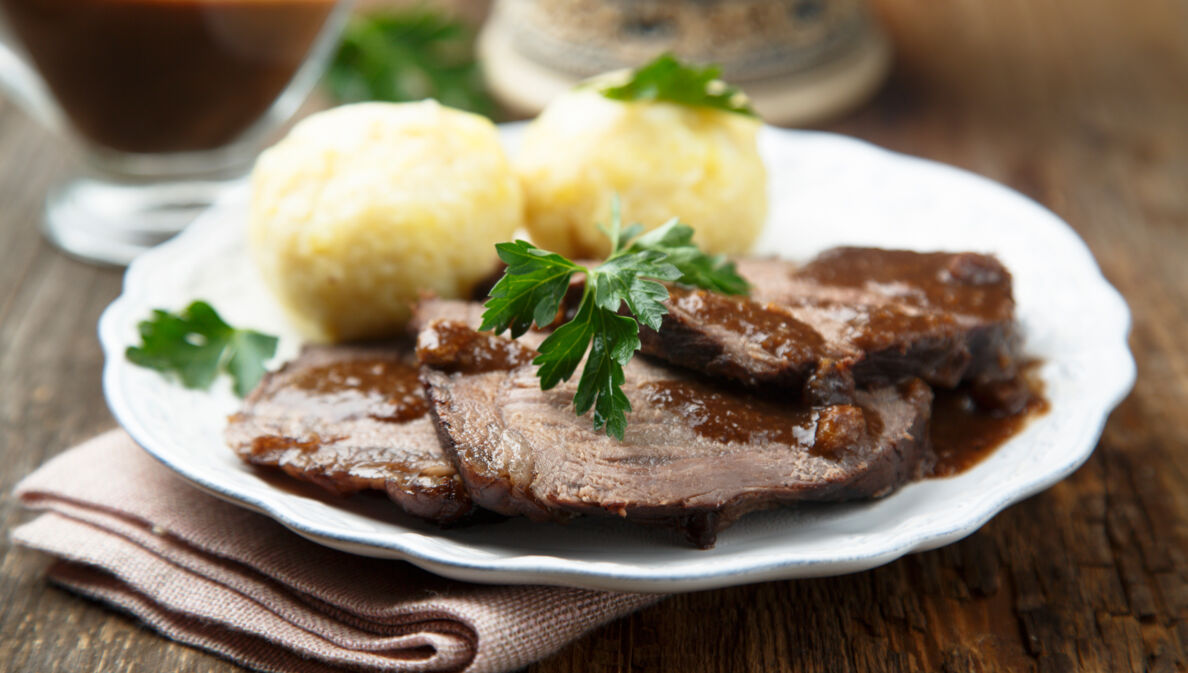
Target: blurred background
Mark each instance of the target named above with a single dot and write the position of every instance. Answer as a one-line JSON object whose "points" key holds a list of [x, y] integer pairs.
{"points": [[802, 61], [1020, 57], [198, 104]]}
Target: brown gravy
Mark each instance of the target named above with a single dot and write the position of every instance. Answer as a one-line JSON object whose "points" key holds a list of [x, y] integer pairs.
{"points": [[964, 434], [739, 418], [966, 283], [166, 75], [380, 388], [776, 331], [455, 347], [270, 443]]}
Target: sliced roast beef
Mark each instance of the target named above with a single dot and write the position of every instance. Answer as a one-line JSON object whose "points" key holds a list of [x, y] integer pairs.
{"points": [[695, 455], [352, 418], [851, 317], [974, 290]]}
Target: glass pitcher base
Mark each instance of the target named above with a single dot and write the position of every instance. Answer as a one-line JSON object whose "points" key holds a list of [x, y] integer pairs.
{"points": [[112, 222]]}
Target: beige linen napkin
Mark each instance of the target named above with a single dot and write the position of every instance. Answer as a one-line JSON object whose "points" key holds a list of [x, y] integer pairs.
{"points": [[129, 532]]}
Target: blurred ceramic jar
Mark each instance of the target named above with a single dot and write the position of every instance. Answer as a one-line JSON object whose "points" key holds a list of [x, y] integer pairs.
{"points": [[799, 60]]}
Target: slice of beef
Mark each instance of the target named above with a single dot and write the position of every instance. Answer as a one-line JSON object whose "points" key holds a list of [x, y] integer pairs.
{"points": [[352, 418], [695, 456], [975, 290], [852, 317]]}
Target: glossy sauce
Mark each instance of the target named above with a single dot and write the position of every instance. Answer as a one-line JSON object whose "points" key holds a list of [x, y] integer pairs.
{"points": [[270, 443], [453, 346], [875, 327], [381, 388], [773, 329], [732, 417], [963, 283], [166, 75], [963, 434]]}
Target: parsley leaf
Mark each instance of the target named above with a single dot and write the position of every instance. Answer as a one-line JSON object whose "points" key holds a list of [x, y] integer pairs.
{"points": [[534, 284], [408, 55], [625, 278], [667, 79], [530, 290], [563, 350], [196, 344], [615, 340], [710, 272]]}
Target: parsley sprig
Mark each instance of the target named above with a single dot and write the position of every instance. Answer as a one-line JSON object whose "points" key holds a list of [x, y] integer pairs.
{"points": [[196, 344], [405, 55], [667, 79], [534, 285]]}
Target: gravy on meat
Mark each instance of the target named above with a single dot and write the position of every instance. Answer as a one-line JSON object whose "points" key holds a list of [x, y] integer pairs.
{"points": [[964, 433], [382, 388], [729, 431]]}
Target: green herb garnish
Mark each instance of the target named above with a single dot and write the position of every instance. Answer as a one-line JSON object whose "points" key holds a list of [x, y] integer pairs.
{"points": [[408, 55], [534, 284], [196, 344], [667, 79]]}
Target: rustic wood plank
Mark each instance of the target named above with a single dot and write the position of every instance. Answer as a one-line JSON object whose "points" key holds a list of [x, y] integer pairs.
{"points": [[49, 369], [1078, 103]]}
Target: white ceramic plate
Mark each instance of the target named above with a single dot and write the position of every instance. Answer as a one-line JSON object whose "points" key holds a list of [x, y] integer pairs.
{"points": [[825, 190]]}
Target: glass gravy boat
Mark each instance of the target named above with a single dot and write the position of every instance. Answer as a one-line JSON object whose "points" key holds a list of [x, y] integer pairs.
{"points": [[167, 101]]}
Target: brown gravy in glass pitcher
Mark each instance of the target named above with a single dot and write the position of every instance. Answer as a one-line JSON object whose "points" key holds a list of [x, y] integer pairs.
{"points": [[166, 75]]}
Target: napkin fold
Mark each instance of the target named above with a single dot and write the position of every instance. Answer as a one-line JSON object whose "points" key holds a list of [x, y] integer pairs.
{"points": [[128, 532]]}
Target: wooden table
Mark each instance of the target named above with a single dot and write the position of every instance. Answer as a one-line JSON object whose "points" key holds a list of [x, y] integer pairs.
{"points": [[1082, 105]]}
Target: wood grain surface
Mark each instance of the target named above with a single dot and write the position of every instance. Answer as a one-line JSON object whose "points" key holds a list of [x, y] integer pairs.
{"points": [[1082, 105]]}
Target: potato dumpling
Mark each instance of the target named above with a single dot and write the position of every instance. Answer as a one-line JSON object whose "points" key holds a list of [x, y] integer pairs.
{"points": [[362, 207], [662, 159]]}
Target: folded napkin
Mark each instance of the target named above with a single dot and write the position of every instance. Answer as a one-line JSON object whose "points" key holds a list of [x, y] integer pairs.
{"points": [[129, 532]]}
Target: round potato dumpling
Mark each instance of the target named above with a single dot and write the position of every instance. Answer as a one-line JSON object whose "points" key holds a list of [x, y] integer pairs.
{"points": [[363, 207], [661, 159]]}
